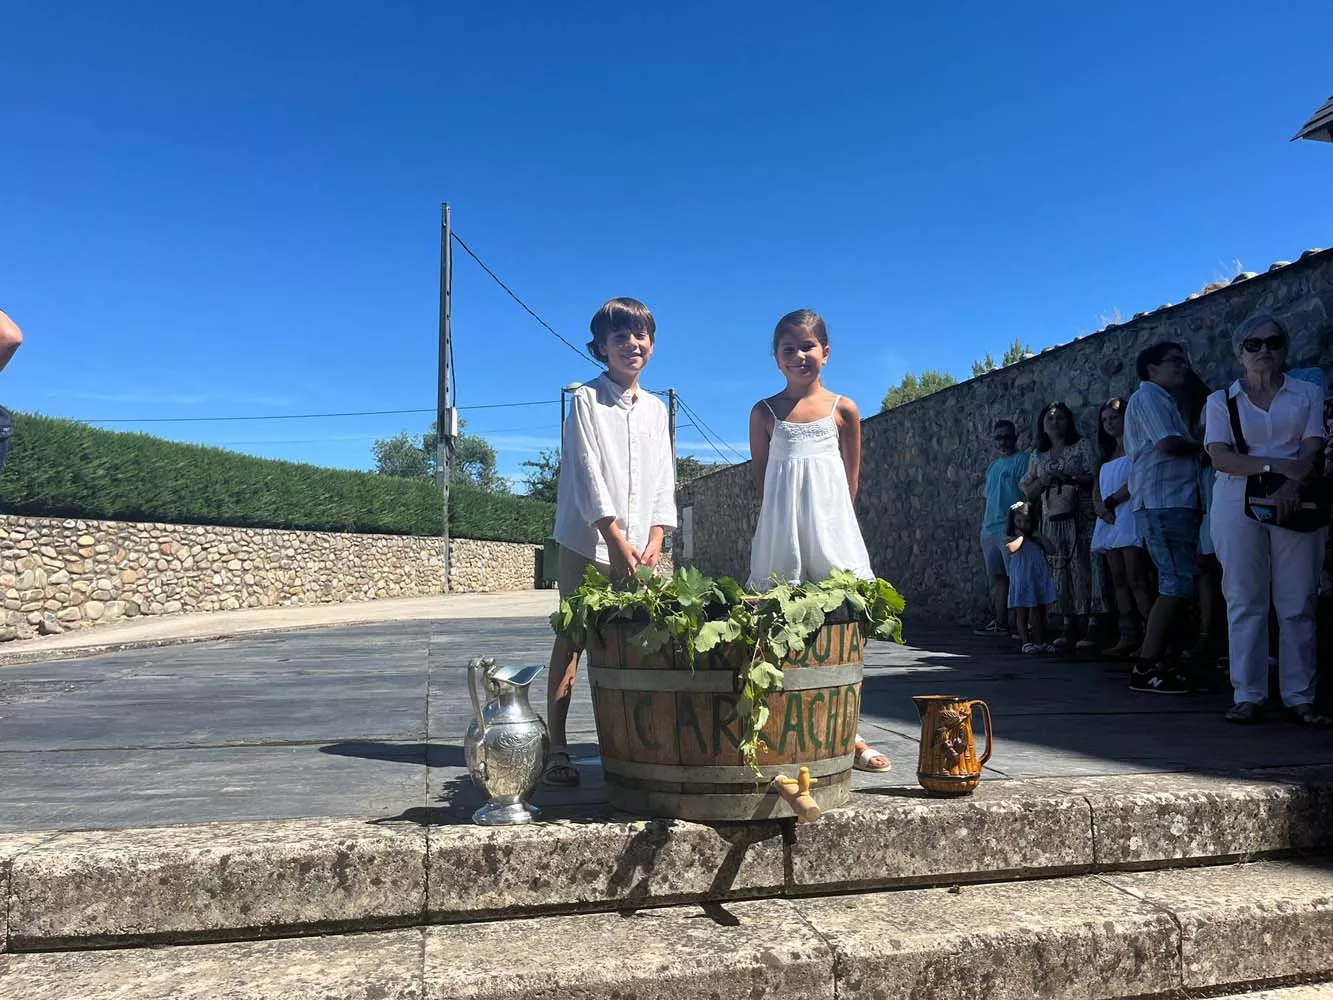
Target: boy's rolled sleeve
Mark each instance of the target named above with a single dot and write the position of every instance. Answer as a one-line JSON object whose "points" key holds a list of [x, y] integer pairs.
{"points": [[592, 498], [664, 502]]}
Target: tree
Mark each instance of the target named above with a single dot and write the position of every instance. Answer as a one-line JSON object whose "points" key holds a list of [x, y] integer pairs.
{"points": [[544, 479], [986, 364], [688, 467], [414, 458], [1016, 352], [912, 387]]}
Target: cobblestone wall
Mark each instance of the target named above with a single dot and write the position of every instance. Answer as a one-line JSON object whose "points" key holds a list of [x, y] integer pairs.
{"points": [[58, 574], [923, 462]]}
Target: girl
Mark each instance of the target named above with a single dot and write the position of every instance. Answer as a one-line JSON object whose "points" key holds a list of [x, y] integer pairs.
{"points": [[1116, 533], [1031, 583], [805, 444], [1060, 476]]}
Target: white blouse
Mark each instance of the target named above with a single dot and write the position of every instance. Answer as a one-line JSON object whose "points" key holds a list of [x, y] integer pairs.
{"points": [[616, 461], [1295, 414]]}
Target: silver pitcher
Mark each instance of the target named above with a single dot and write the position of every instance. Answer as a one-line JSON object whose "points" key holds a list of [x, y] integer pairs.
{"points": [[506, 746]]}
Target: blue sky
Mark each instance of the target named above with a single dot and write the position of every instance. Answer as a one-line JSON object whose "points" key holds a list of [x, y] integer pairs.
{"points": [[232, 210]]}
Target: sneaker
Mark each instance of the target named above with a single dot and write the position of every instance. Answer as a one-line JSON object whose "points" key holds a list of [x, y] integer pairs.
{"points": [[1060, 643], [1086, 646], [1032, 649], [1156, 678], [991, 628], [1048, 648]]}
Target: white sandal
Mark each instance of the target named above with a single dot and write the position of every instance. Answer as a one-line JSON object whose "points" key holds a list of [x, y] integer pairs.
{"points": [[863, 758]]}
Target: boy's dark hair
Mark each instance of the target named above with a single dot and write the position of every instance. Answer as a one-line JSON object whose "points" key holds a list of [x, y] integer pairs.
{"points": [[1005, 423], [622, 313], [801, 319], [1044, 439], [1022, 507], [1106, 443], [1154, 355]]}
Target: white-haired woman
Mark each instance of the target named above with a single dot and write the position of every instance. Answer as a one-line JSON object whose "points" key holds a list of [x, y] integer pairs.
{"points": [[1281, 421]]}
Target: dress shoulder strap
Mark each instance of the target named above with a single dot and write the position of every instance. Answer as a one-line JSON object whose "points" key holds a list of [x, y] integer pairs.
{"points": [[770, 409], [834, 408]]}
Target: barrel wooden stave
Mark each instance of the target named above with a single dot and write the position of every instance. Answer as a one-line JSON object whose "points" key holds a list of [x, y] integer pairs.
{"points": [[653, 731]]}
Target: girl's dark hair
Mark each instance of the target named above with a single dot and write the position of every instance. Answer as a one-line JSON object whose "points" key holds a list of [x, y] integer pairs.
{"points": [[1106, 443], [801, 319], [1021, 508], [1044, 439], [618, 314], [1193, 396]]}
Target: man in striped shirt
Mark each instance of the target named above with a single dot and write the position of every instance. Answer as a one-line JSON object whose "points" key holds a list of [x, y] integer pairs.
{"points": [[1164, 491]]}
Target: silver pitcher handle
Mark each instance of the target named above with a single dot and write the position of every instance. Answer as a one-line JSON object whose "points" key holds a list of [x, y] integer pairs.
{"points": [[483, 663]]}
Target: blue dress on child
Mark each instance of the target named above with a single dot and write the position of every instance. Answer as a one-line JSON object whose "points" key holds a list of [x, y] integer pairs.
{"points": [[1031, 583]]}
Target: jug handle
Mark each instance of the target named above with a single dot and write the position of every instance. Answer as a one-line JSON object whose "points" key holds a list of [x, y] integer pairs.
{"points": [[482, 662], [985, 710]]}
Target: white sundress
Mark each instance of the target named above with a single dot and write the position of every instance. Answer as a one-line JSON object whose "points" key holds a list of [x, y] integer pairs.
{"points": [[1124, 533], [807, 526]]}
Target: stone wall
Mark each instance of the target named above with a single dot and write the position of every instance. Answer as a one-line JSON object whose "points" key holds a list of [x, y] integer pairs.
{"points": [[923, 463], [57, 574]]}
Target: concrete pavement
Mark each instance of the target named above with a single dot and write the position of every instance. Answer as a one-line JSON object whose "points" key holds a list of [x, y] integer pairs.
{"points": [[163, 630]]}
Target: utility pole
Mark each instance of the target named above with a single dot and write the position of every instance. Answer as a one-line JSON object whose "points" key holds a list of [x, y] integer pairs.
{"points": [[671, 424], [446, 416]]}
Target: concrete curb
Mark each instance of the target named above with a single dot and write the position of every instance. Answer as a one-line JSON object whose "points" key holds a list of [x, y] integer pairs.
{"points": [[234, 881], [1155, 934]]}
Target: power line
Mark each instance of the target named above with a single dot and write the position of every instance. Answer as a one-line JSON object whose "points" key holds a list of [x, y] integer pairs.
{"points": [[526, 308], [308, 416], [705, 430]]}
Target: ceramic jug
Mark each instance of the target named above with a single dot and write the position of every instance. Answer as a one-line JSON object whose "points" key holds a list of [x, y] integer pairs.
{"points": [[948, 763], [506, 745]]}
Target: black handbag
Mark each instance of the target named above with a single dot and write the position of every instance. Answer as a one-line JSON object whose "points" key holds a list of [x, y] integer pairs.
{"points": [[1312, 510]]}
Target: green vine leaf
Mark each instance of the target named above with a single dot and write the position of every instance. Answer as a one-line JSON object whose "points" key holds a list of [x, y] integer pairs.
{"points": [[702, 615]]}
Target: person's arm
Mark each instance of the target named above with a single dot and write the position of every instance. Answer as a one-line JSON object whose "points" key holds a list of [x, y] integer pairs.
{"points": [[664, 502], [1175, 446], [849, 443], [1032, 484], [590, 495], [1221, 443], [11, 337], [1014, 544], [761, 430]]}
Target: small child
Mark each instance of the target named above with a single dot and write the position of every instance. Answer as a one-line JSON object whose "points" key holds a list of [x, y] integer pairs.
{"points": [[617, 493], [1031, 583], [805, 449]]}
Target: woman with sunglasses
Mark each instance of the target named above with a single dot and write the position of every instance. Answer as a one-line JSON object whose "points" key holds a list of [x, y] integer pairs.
{"points": [[1281, 420]]}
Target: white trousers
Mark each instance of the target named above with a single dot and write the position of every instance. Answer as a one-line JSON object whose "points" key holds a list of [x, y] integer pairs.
{"points": [[1260, 565]]}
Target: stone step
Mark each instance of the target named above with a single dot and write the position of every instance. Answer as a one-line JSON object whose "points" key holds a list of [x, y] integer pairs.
{"points": [[1146, 934], [228, 881]]}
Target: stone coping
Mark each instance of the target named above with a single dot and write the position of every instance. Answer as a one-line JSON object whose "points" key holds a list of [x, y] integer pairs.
{"points": [[1201, 931], [231, 881]]}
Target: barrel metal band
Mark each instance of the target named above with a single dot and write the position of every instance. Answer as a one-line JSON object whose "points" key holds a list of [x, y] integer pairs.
{"points": [[716, 774], [719, 681]]}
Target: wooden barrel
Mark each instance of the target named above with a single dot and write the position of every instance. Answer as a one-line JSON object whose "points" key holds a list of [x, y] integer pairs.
{"points": [[670, 737]]}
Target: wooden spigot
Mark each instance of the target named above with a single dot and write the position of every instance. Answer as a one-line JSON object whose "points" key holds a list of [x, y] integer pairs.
{"points": [[796, 793]]}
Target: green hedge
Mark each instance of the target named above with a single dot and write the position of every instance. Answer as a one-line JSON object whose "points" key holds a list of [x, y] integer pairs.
{"points": [[60, 468]]}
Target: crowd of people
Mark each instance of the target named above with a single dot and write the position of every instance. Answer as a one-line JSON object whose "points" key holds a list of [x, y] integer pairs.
{"points": [[1189, 536]]}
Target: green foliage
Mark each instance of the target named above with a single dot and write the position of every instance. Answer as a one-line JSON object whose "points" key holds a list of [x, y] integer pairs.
{"points": [[60, 468], [688, 468], [699, 614], [413, 457], [912, 387], [543, 480], [1015, 353]]}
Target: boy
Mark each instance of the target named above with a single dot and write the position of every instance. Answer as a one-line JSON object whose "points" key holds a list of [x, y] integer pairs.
{"points": [[1000, 491], [617, 492]]}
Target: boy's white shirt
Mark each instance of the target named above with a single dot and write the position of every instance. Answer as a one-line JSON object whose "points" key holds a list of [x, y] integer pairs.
{"points": [[616, 461]]}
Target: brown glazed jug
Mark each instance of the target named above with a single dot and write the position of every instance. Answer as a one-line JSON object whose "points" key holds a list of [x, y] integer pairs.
{"points": [[948, 763]]}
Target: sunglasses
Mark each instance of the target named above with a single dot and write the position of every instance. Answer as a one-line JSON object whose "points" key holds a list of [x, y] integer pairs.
{"points": [[1253, 345]]}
